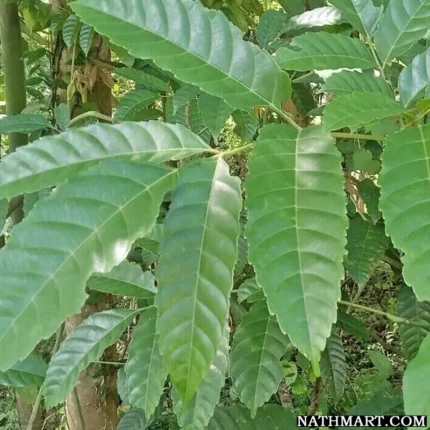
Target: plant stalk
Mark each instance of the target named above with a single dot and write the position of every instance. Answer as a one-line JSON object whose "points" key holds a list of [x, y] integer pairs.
{"points": [[357, 136]]}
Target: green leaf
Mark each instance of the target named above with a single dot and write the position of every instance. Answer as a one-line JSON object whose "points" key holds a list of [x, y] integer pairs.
{"points": [[352, 325], [145, 370], [51, 160], [133, 103], [242, 257], [126, 279], [134, 419], [333, 366], [296, 230], [71, 29], [405, 202], [87, 225], [86, 36], [318, 17], [195, 52], [415, 78], [198, 254], [269, 26], [29, 372], [246, 124], [366, 246], [122, 388], [83, 346], [255, 367], [370, 194], [62, 116], [364, 161], [355, 109], [140, 77], [292, 7], [23, 123], [349, 81], [152, 241], [249, 290], [362, 14], [418, 313], [183, 96], [237, 417], [322, 51], [197, 413], [215, 112], [415, 389], [197, 124], [382, 363], [403, 24]]}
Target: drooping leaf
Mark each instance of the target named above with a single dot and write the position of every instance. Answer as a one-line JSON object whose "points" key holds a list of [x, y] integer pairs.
{"points": [[183, 96], [366, 245], [51, 160], [296, 230], [403, 23], [405, 202], [215, 112], [318, 17], [417, 313], [382, 363], [133, 103], [141, 77], [62, 116], [334, 366], [362, 14], [83, 346], [23, 123], [257, 349], [249, 290], [322, 51], [349, 81], [134, 419], [195, 39], [71, 29], [197, 413], [415, 78], [415, 391], [86, 36], [355, 109], [26, 373], [87, 225], [122, 388], [145, 370], [198, 254], [246, 124], [269, 26], [126, 279], [351, 325], [196, 121], [370, 193]]}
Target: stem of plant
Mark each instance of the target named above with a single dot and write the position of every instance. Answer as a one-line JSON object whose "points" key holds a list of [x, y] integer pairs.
{"points": [[236, 150], [78, 408], [357, 136], [92, 114], [285, 117]]}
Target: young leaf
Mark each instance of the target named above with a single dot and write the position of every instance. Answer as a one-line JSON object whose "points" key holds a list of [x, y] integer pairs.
{"points": [[349, 81], [242, 257], [405, 197], [23, 123], [215, 112], [382, 363], [246, 124], [198, 254], [51, 160], [197, 413], [243, 76], [322, 51], [86, 36], [134, 102], [352, 325], [366, 245], [415, 78], [355, 109], [318, 17], [370, 193], [248, 290], [87, 225], [415, 389], [333, 366], [417, 313], [197, 124], [403, 23], [257, 349], [142, 78], [296, 230], [183, 96], [122, 388], [152, 241], [145, 369], [71, 29], [83, 346], [62, 116], [269, 26], [134, 419], [29, 372], [126, 279], [362, 14]]}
